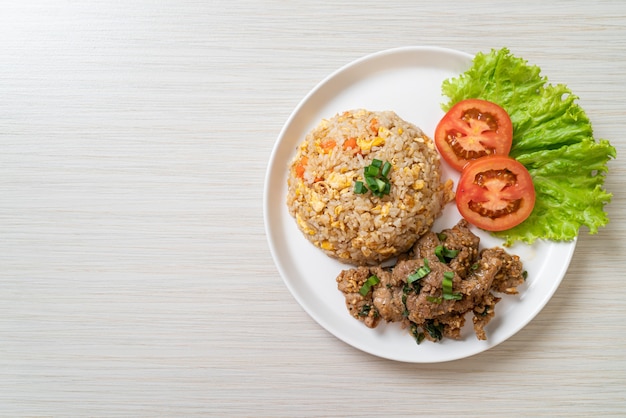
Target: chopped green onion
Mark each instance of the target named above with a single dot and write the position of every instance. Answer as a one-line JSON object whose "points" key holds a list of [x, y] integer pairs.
{"points": [[375, 179], [367, 286], [382, 188], [420, 273], [386, 169], [446, 286], [439, 253], [359, 188], [371, 182], [524, 275], [442, 236], [444, 254], [371, 170], [450, 253]]}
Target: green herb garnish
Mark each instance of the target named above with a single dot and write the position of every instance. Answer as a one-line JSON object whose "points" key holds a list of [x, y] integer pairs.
{"points": [[434, 330], [415, 331]]}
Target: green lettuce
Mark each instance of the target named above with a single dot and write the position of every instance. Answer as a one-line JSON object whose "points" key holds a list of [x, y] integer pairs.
{"points": [[552, 137]]}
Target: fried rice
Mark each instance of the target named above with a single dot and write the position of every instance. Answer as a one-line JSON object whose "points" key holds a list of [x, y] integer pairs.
{"points": [[365, 227]]}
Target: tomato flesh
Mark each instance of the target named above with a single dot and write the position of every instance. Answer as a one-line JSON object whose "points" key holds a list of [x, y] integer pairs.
{"points": [[472, 129], [495, 193]]}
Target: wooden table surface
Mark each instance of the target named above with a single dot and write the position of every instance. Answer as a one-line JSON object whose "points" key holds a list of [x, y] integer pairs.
{"points": [[135, 273]]}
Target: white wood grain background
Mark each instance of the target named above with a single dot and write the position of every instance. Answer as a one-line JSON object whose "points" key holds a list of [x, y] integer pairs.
{"points": [[135, 277]]}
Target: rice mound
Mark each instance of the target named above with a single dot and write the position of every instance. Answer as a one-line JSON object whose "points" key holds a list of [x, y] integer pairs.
{"points": [[363, 228]]}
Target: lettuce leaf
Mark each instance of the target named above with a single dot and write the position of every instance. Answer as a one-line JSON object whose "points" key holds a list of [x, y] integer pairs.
{"points": [[552, 137]]}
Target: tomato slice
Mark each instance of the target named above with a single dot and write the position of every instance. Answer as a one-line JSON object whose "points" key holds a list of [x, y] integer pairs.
{"points": [[471, 129], [495, 193]]}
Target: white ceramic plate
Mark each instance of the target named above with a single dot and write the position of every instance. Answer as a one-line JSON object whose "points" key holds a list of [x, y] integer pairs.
{"points": [[407, 81]]}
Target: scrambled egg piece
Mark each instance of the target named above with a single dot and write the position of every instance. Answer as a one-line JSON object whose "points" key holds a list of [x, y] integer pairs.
{"points": [[304, 226], [338, 181], [385, 209], [366, 144], [315, 201], [327, 245]]}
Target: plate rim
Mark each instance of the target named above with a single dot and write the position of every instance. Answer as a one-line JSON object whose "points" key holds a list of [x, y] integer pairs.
{"points": [[489, 344]]}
